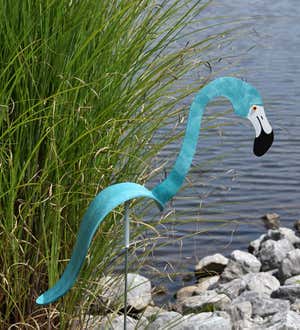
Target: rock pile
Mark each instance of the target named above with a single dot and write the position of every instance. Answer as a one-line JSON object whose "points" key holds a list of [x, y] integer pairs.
{"points": [[259, 289]]}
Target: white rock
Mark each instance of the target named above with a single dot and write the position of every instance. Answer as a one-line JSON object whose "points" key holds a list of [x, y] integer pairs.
{"points": [[139, 291], [290, 235], [246, 324], [211, 265], [290, 265], [233, 288], [111, 322], [240, 311], [293, 280], [274, 234], [296, 306], [207, 300], [254, 246], [261, 283], [165, 320], [223, 314], [282, 233], [240, 263], [202, 321], [287, 292], [206, 283], [262, 305], [249, 262], [272, 252], [285, 321], [205, 321], [151, 312]]}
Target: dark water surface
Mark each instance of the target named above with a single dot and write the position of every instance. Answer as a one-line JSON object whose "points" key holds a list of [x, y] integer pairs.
{"points": [[228, 196]]}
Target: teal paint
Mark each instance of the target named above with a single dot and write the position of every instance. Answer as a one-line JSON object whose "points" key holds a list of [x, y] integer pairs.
{"points": [[100, 207], [242, 96]]}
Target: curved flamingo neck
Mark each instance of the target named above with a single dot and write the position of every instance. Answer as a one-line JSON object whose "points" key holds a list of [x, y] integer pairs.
{"points": [[240, 94], [227, 87]]}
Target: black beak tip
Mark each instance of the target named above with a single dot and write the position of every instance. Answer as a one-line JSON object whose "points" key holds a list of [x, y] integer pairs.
{"points": [[263, 143]]}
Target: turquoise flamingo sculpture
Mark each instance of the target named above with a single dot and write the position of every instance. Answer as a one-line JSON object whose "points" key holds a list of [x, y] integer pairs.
{"points": [[246, 102]]}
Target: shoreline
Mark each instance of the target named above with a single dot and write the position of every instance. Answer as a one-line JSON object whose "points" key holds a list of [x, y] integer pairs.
{"points": [[254, 289]]}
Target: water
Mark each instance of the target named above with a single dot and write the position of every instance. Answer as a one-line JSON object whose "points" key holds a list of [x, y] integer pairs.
{"points": [[221, 210]]}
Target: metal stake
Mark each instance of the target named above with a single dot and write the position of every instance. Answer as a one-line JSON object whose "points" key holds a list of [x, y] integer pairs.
{"points": [[126, 239]]}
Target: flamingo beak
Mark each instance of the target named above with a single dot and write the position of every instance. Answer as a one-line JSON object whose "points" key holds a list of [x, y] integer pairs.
{"points": [[264, 135]]}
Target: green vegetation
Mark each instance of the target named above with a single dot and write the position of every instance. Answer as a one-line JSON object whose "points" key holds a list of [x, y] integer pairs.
{"points": [[84, 86]]}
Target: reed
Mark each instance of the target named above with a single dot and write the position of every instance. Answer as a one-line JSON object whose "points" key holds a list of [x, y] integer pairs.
{"points": [[84, 86]]}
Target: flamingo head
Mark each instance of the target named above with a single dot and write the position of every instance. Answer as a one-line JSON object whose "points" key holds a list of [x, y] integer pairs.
{"points": [[264, 135], [248, 103]]}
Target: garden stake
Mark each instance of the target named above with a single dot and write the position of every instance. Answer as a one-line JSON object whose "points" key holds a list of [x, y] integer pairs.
{"points": [[127, 237], [246, 102]]}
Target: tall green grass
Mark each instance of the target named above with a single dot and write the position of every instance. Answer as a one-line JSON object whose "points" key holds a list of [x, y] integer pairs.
{"points": [[84, 85]]}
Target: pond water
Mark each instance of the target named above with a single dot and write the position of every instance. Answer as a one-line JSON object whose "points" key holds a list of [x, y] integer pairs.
{"points": [[220, 210]]}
